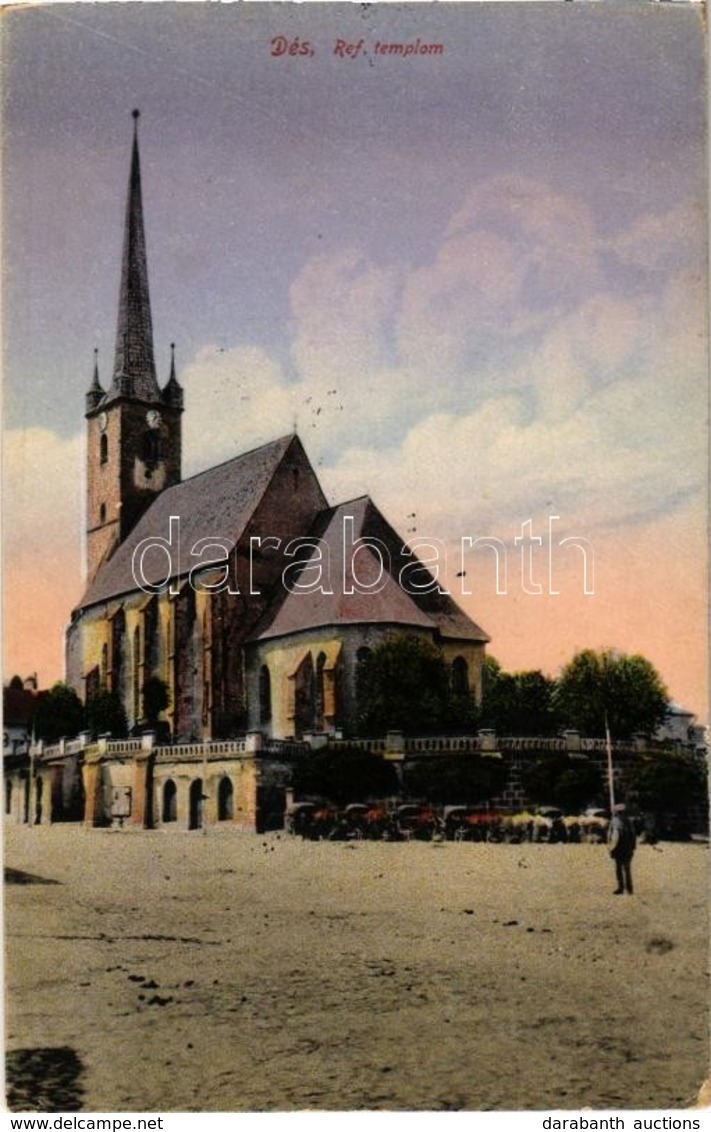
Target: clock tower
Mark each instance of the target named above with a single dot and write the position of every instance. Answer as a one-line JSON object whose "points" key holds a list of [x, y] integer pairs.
{"points": [[134, 427]]}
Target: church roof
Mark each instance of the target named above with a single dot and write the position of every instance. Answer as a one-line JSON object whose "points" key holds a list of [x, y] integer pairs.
{"points": [[388, 603], [216, 503]]}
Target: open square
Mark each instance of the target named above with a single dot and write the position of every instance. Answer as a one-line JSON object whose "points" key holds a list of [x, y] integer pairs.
{"points": [[228, 972]]}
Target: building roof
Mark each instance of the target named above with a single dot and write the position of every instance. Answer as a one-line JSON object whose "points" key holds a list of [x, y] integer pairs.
{"points": [[388, 603], [220, 502], [674, 709], [217, 503]]}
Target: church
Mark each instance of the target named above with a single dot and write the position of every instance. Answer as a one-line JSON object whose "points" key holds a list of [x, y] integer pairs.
{"points": [[242, 589]]}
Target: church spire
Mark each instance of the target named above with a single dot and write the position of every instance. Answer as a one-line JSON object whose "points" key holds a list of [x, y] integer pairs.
{"points": [[134, 367]]}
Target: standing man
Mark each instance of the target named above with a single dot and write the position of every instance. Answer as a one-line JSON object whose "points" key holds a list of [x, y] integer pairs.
{"points": [[622, 841]]}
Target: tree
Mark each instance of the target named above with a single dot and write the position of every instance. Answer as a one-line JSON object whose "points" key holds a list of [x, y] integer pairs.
{"points": [[105, 715], [560, 780], [404, 684], [59, 714], [156, 699], [667, 783], [353, 775], [455, 779], [519, 703], [626, 690]]}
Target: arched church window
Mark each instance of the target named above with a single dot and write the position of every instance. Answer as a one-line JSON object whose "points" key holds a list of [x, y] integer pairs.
{"points": [[265, 695], [304, 696], [225, 800], [169, 809], [319, 692], [362, 656], [197, 798], [118, 653], [187, 677], [103, 448], [460, 676], [206, 670], [93, 683], [102, 513], [137, 670], [151, 638]]}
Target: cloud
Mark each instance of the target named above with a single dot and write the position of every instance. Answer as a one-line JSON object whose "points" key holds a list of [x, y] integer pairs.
{"points": [[468, 295], [235, 399], [597, 414], [43, 492], [604, 425], [515, 259], [554, 235], [340, 306], [342, 385], [667, 241]]}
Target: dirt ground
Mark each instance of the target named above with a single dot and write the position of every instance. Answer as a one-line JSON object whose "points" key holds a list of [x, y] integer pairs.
{"points": [[236, 972]]}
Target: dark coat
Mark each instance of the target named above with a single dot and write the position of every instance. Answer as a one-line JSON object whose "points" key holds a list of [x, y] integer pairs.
{"points": [[622, 838]]}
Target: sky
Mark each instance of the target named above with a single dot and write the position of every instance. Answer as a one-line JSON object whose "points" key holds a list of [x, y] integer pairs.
{"points": [[473, 280]]}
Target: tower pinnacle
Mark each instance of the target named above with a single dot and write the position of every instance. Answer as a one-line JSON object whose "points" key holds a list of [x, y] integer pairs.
{"points": [[94, 393], [172, 390], [134, 366]]}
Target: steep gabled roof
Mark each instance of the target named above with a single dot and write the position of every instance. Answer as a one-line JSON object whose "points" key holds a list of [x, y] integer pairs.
{"points": [[389, 603], [217, 503]]}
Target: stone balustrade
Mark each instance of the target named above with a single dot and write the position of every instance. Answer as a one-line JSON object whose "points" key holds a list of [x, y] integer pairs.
{"points": [[195, 752], [395, 742], [144, 783]]}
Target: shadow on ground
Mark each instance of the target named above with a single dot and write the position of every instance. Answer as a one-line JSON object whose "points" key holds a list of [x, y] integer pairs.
{"points": [[16, 876], [43, 1080]]}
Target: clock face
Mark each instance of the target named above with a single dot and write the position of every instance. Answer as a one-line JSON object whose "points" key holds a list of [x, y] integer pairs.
{"points": [[103, 421], [153, 418]]}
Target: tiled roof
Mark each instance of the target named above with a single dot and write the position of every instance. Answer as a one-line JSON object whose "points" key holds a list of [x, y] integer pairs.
{"points": [[216, 503], [388, 603]]}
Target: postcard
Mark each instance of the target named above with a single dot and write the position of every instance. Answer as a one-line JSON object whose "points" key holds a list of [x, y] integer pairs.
{"points": [[355, 613]]}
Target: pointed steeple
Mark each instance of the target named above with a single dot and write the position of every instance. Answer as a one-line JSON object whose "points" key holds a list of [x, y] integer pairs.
{"points": [[134, 367], [173, 390], [95, 392]]}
